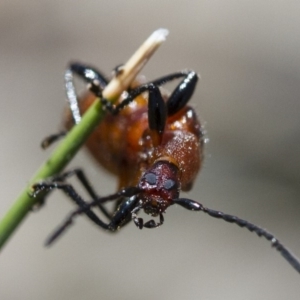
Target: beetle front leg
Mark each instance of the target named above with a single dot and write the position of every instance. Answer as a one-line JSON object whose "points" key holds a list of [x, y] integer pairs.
{"points": [[123, 213], [73, 195], [119, 219]]}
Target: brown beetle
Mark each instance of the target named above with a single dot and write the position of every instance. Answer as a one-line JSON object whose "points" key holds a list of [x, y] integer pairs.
{"points": [[153, 142]]}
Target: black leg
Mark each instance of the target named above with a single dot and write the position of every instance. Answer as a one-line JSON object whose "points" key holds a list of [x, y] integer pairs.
{"points": [[72, 194], [182, 94], [49, 140], [157, 114], [157, 108], [177, 100], [120, 218], [88, 74], [86, 184], [97, 82], [193, 205]]}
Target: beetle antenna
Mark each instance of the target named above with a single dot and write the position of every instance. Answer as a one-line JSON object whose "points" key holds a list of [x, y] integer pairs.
{"points": [[287, 254]]}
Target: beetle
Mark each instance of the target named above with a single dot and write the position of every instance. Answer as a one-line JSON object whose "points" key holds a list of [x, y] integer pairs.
{"points": [[152, 141]]}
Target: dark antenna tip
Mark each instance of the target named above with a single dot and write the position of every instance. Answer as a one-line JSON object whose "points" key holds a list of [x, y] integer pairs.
{"points": [[287, 254]]}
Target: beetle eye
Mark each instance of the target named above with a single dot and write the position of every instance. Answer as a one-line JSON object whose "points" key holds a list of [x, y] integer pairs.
{"points": [[169, 184], [150, 178]]}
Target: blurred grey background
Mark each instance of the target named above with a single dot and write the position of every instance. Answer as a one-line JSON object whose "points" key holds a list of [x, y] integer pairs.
{"points": [[248, 55]]}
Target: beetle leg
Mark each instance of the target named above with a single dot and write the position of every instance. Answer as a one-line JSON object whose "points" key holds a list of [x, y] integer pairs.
{"points": [[123, 213], [97, 82], [79, 173], [50, 139], [157, 108], [120, 217], [88, 74], [72, 194], [180, 96], [178, 99], [182, 93], [157, 114]]}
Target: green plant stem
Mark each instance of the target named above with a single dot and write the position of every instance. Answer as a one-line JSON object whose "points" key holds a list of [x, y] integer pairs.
{"points": [[55, 164]]}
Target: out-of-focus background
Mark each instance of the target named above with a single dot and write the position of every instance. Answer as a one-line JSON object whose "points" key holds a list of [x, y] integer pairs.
{"points": [[248, 55]]}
